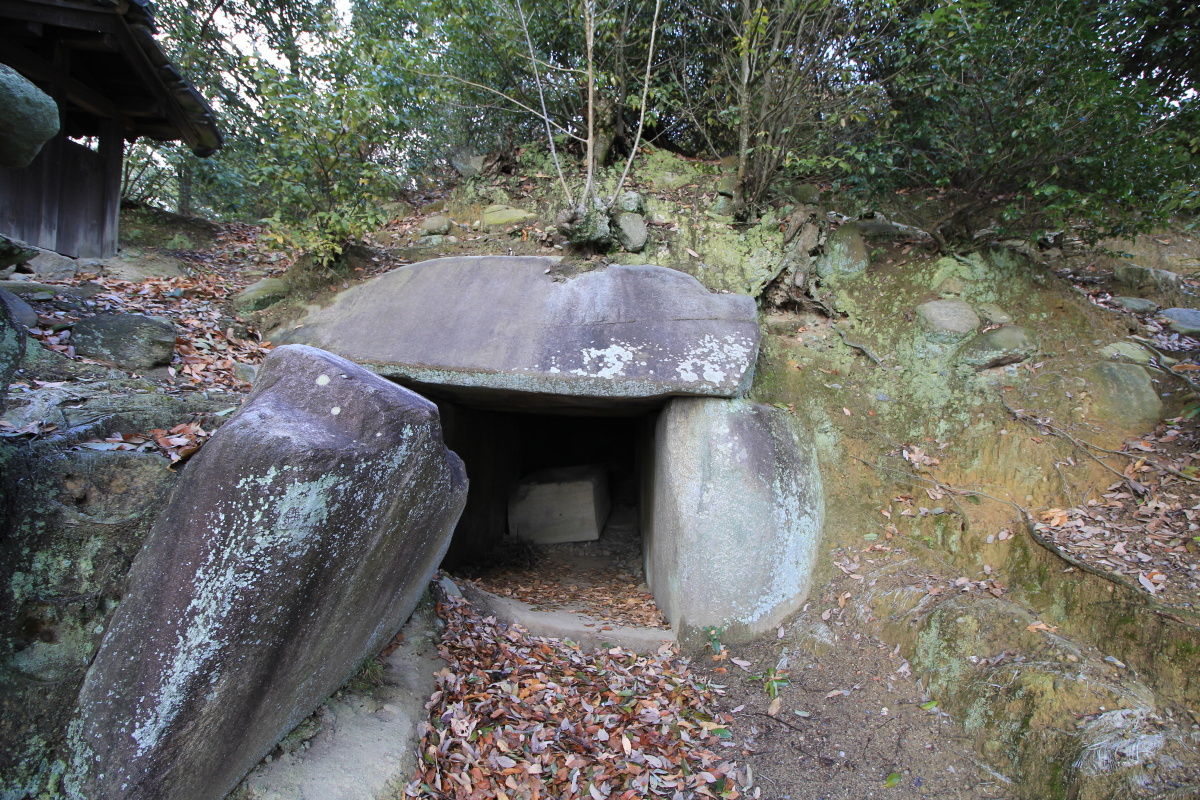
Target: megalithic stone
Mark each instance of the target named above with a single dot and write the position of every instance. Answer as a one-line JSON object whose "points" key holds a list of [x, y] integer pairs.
{"points": [[296, 544]]}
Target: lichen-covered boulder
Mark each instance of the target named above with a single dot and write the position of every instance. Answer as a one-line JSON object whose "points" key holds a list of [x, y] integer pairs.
{"points": [[845, 254], [30, 118], [1009, 344], [630, 231], [296, 544], [131, 341], [534, 331], [1122, 395], [947, 320], [737, 515]]}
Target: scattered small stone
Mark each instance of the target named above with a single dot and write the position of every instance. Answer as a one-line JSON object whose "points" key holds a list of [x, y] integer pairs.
{"points": [[1138, 305], [947, 320]]}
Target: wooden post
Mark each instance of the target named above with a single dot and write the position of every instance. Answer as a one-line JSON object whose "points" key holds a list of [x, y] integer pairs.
{"points": [[112, 153]]}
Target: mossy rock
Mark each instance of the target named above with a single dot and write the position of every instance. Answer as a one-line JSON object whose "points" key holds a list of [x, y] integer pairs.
{"points": [[1010, 344], [261, 294]]}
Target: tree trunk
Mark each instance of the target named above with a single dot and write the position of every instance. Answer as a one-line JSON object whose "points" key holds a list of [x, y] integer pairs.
{"points": [[183, 203]]}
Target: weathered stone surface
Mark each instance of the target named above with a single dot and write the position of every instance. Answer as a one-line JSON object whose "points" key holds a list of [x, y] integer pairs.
{"points": [[994, 315], [947, 320], [630, 231], [74, 519], [845, 254], [522, 325], [137, 265], [502, 216], [737, 514], [1010, 344], [297, 542], [568, 504], [1183, 320], [22, 313], [1126, 351], [1123, 394], [631, 202], [436, 225], [1138, 305], [29, 120], [132, 341], [261, 294], [1144, 279], [12, 350], [13, 251], [50, 266]]}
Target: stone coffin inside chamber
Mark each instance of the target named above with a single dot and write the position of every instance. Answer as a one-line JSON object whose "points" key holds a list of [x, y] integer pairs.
{"points": [[568, 504], [534, 333]]}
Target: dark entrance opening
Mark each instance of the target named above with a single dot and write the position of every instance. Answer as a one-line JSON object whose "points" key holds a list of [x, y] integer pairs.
{"points": [[554, 512]]}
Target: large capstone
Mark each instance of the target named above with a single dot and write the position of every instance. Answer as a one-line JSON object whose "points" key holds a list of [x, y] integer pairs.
{"points": [[296, 543], [527, 330], [737, 512]]}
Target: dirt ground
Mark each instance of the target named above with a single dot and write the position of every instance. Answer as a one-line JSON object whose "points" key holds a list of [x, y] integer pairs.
{"points": [[849, 721]]}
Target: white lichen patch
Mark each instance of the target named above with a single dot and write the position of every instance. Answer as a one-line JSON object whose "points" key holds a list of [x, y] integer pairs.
{"points": [[608, 362], [322, 380], [712, 359]]}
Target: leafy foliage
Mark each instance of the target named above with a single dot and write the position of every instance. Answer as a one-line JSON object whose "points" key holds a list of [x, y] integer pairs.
{"points": [[1017, 108]]}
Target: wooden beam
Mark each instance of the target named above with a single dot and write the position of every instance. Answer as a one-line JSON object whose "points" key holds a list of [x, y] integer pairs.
{"points": [[39, 69], [61, 13]]}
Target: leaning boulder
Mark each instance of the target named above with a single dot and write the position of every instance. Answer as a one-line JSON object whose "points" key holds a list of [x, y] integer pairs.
{"points": [[737, 516], [536, 331], [30, 118], [131, 341], [295, 545]]}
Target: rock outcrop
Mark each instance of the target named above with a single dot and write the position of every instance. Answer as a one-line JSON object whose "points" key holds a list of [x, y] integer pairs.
{"points": [[296, 544], [528, 329]]}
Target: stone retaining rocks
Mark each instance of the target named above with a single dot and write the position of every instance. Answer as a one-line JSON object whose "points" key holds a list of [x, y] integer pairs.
{"points": [[737, 515], [295, 545], [29, 120], [528, 329], [129, 341]]}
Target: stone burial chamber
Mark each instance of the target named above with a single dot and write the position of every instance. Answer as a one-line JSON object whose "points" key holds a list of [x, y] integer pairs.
{"points": [[569, 391], [300, 538]]}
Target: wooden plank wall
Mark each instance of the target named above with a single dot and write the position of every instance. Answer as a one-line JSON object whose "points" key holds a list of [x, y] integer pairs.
{"points": [[67, 200]]}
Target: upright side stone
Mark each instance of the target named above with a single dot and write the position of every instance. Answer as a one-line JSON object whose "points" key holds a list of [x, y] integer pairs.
{"points": [[737, 516], [296, 543]]}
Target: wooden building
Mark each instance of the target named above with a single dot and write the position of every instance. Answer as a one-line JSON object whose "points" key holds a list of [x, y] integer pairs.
{"points": [[99, 61]]}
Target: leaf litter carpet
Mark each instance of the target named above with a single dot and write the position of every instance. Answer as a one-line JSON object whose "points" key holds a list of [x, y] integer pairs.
{"points": [[518, 716]]}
